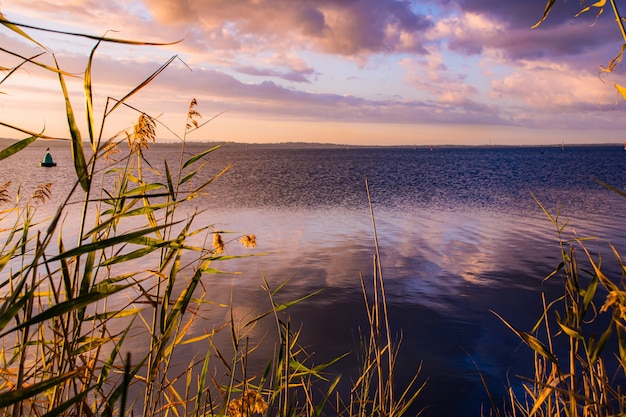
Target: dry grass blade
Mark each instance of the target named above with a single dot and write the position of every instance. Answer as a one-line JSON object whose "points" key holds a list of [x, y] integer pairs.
{"points": [[141, 85], [39, 64], [19, 66]]}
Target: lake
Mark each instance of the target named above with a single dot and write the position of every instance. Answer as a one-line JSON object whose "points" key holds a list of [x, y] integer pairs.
{"points": [[460, 237]]}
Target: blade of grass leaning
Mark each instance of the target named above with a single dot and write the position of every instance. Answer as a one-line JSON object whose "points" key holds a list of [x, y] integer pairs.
{"points": [[16, 147], [67, 306], [194, 158], [61, 410], [105, 243], [317, 412], [141, 85], [39, 64], [597, 351], [12, 306], [89, 100], [532, 342], [8, 398], [15, 28], [201, 382], [78, 153], [28, 132], [6, 22], [549, 6], [15, 68]]}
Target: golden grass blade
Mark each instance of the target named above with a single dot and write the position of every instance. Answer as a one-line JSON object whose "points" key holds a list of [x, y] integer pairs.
{"points": [[39, 64], [549, 6], [78, 153], [83, 35], [204, 123], [15, 68], [599, 4], [127, 312], [621, 90], [15, 28], [28, 132], [14, 396], [545, 393], [207, 183], [318, 412]]}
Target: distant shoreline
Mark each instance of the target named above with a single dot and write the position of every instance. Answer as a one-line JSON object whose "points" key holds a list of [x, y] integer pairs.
{"points": [[4, 142]]}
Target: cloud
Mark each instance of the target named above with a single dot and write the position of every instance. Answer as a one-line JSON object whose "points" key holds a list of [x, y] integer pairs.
{"points": [[375, 61], [330, 26]]}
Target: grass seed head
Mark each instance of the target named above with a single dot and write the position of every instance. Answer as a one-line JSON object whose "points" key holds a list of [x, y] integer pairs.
{"points": [[249, 241], [249, 404], [5, 197], [144, 132], [218, 244]]}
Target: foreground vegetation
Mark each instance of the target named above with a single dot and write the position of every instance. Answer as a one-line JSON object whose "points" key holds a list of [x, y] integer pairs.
{"points": [[73, 313], [73, 303]]}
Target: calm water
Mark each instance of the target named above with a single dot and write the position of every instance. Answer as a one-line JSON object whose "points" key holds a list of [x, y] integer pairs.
{"points": [[459, 232]]}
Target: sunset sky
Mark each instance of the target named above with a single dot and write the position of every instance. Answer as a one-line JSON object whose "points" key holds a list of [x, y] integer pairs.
{"points": [[383, 72]]}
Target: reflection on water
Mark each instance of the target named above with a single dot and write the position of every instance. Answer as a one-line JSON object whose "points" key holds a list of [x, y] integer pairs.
{"points": [[459, 232]]}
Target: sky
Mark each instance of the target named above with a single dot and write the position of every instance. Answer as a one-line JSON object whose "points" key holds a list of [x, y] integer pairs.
{"points": [[367, 72]]}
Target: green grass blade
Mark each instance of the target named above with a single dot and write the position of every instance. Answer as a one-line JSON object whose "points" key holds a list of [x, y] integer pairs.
{"points": [[200, 155], [69, 305], [532, 342], [16, 147], [105, 243], [12, 306], [600, 345], [136, 254], [78, 153], [318, 409], [201, 381], [89, 100]]}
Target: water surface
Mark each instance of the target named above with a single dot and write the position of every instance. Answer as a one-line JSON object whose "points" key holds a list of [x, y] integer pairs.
{"points": [[460, 236]]}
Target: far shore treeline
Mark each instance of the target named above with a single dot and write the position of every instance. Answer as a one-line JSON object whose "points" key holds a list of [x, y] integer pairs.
{"points": [[60, 143]]}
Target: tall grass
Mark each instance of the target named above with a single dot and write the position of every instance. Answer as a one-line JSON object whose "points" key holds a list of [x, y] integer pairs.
{"points": [[579, 342], [73, 306]]}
